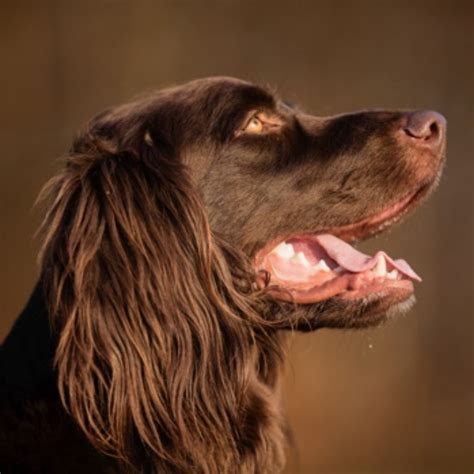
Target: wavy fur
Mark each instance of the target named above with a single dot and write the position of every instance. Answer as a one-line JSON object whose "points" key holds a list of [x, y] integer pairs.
{"points": [[163, 360], [169, 358]]}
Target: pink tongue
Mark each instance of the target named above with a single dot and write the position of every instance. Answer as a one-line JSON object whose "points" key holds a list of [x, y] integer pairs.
{"points": [[354, 261]]}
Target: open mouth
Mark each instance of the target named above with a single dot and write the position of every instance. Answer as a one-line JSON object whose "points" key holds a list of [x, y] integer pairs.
{"points": [[308, 268]]}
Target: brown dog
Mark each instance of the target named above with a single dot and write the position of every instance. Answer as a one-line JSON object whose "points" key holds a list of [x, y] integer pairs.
{"points": [[185, 231]]}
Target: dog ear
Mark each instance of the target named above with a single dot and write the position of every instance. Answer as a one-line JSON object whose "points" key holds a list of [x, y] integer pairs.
{"points": [[155, 318]]}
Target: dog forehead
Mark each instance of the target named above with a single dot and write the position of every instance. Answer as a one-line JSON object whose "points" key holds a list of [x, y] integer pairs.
{"points": [[224, 91]]}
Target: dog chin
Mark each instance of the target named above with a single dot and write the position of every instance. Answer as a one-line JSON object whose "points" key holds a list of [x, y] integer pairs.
{"points": [[378, 309], [340, 312], [368, 311]]}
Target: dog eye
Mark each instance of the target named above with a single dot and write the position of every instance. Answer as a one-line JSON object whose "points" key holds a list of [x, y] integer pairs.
{"points": [[254, 125]]}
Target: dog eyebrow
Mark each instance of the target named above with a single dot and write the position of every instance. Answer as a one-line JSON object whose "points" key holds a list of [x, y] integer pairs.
{"points": [[259, 96]]}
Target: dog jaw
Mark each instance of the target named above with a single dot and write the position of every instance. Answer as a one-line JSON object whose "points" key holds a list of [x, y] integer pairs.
{"points": [[379, 290]]}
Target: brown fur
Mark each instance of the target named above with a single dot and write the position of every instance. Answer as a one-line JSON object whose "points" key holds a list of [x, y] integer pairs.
{"points": [[163, 349], [169, 358]]}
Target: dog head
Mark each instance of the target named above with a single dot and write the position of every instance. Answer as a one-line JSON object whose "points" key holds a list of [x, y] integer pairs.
{"points": [[191, 224], [293, 190], [279, 185]]}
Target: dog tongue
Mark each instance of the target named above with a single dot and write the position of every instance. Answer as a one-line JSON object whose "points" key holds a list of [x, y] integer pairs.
{"points": [[351, 259]]}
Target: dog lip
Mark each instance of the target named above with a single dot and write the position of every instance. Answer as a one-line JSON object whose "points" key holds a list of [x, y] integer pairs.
{"points": [[381, 287], [380, 221], [338, 288]]}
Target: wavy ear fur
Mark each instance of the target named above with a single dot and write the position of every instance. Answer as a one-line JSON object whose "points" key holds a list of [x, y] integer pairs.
{"points": [[161, 359]]}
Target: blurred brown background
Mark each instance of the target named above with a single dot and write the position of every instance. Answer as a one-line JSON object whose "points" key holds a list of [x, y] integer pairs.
{"points": [[392, 400]]}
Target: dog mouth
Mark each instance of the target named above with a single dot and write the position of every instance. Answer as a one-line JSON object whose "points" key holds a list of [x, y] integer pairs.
{"points": [[311, 267]]}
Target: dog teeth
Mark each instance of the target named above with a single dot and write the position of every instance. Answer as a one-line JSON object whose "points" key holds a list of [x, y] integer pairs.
{"points": [[380, 268], [393, 275], [322, 266], [301, 259], [287, 252], [284, 250]]}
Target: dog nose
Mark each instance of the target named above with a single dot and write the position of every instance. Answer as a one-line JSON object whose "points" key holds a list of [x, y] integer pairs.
{"points": [[427, 127]]}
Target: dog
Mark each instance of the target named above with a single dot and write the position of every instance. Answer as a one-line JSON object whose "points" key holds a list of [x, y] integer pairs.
{"points": [[186, 233]]}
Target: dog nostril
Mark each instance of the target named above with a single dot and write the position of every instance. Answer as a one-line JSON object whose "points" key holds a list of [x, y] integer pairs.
{"points": [[434, 129], [426, 125]]}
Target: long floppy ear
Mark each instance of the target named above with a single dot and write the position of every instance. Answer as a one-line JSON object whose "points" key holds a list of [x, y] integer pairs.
{"points": [[155, 320]]}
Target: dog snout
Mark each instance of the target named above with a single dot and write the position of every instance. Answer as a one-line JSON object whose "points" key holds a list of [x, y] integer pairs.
{"points": [[426, 128]]}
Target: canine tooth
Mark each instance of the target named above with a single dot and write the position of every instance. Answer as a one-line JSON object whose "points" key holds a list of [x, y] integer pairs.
{"points": [[322, 266], [393, 275], [300, 258], [380, 268], [338, 269], [284, 250]]}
